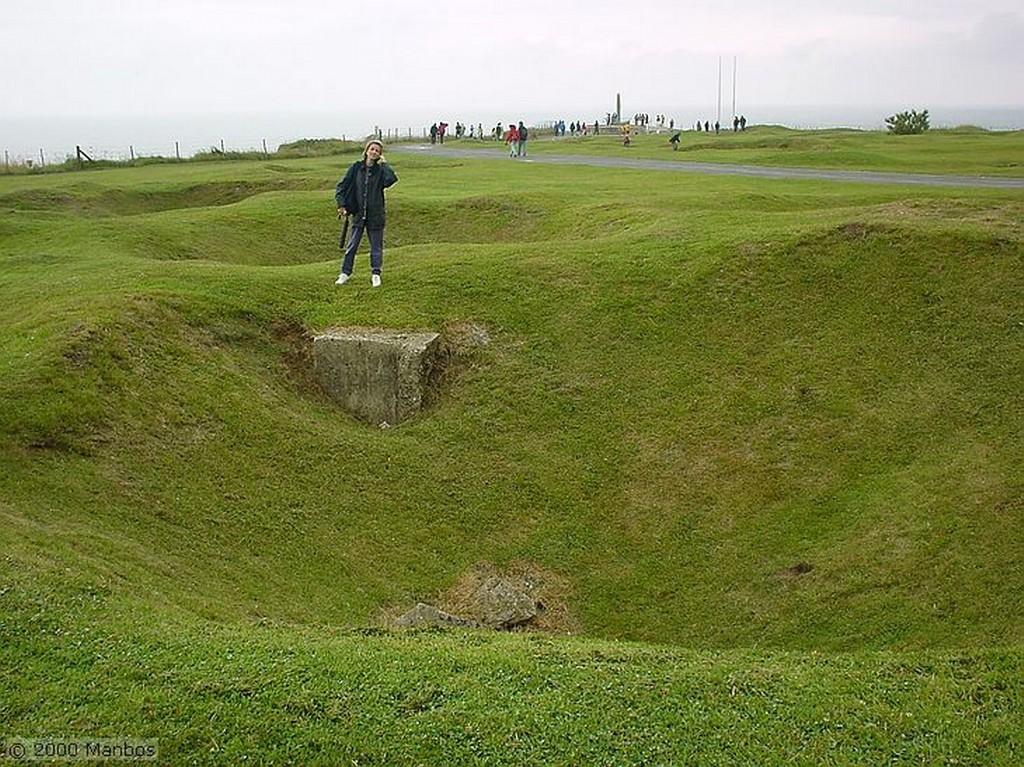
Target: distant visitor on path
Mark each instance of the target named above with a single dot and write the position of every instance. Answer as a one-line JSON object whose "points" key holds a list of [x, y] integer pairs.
{"points": [[512, 139], [360, 194]]}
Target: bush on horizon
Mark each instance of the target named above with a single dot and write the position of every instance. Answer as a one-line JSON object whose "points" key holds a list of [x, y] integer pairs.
{"points": [[908, 123]]}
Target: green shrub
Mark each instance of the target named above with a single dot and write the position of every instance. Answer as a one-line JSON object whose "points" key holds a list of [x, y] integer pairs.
{"points": [[908, 123]]}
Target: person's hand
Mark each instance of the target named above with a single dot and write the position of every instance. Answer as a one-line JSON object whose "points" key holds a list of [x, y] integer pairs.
{"points": [[342, 212]]}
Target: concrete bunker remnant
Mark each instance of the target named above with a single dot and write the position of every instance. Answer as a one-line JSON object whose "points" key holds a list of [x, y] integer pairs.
{"points": [[523, 596], [378, 375]]}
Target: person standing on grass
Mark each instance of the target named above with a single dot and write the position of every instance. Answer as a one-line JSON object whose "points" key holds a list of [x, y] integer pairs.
{"points": [[360, 194], [521, 146]]}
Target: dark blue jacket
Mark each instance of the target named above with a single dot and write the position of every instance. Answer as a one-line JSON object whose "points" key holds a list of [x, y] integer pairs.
{"points": [[361, 191]]}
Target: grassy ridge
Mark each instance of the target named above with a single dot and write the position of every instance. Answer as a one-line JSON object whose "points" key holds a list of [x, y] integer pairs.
{"points": [[782, 415]]}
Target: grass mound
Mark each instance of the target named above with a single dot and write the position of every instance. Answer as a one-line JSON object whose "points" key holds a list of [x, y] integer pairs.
{"points": [[87, 201]]}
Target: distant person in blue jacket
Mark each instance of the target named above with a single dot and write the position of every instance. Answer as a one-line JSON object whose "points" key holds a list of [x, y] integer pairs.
{"points": [[360, 194]]}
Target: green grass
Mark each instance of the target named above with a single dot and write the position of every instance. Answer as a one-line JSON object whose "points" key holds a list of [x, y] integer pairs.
{"points": [[962, 151], [762, 437], [216, 693]]}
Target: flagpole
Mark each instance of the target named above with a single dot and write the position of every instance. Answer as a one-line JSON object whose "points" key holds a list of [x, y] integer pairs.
{"points": [[719, 118], [734, 87]]}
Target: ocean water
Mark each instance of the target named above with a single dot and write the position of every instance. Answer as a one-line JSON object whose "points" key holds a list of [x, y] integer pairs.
{"points": [[52, 139]]}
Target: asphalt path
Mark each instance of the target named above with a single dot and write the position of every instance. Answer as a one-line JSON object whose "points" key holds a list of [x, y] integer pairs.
{"points": [[720, 169]]}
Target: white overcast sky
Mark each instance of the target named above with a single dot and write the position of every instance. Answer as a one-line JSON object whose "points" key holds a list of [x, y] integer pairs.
{"points": [[161, 57]]}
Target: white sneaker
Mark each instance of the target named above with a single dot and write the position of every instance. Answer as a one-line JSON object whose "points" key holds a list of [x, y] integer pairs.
{"points": [[342, 279], [375, 281]]}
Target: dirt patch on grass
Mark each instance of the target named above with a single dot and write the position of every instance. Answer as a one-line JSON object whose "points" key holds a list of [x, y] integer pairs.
{"points": [[795, 571], [297, 356], [456, 353], [550, 591], [857, 230]]}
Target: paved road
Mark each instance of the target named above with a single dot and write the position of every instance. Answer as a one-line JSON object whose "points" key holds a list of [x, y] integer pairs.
{"points": [[753, 171]]}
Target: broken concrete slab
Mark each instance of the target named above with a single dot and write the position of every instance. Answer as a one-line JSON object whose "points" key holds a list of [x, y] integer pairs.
{"points": [[498, 604], [423, 614], [380, 376], [495, 604]]}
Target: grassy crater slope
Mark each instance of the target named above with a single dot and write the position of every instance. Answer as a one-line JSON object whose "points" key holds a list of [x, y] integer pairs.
{"points": [[757, 418]]}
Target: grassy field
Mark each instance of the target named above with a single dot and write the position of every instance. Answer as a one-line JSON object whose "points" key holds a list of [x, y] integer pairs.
{"points": [[969, 151], [759, 441]]}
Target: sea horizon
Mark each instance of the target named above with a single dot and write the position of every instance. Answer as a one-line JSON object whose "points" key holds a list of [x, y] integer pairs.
{"points": [[53, 139]]}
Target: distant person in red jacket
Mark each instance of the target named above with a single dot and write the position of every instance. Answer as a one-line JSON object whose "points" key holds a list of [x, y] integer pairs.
{"points": [[512, 139]]}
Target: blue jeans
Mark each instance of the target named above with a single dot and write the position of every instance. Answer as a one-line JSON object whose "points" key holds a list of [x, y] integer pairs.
{"points": [[376, 247]]}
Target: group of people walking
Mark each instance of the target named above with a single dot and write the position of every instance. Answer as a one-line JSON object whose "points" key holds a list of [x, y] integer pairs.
{"points": [[515, 139], [739, 123], [438, 131], [576, 128]]}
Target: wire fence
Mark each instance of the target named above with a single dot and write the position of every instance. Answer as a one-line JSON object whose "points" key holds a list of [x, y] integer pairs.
{"points": [[81, 154]]}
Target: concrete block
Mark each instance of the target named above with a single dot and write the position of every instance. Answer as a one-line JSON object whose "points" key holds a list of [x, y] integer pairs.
{"points": [[380, 376]]}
